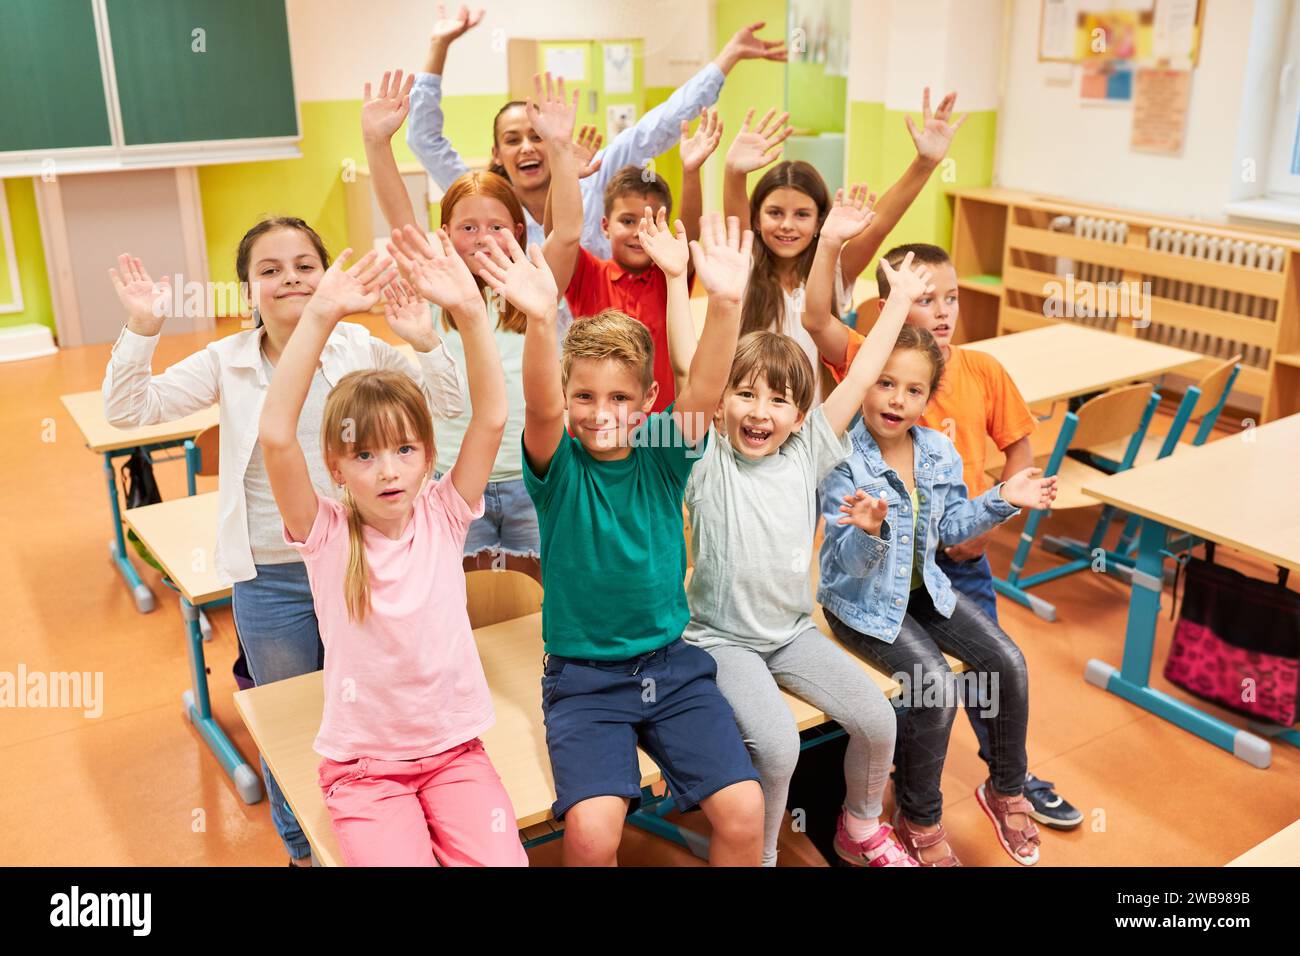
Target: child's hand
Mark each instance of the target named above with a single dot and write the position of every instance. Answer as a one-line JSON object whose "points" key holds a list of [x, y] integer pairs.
{"points": [[863, 511], [935, 136], [754, 150], [524, 280], [142, 298], [1025, 489], [670, 253], [435, 271], [849, 217], [408, 315], [743, 45], [383, 115], [908, 281], [585, 148], [348, 291], [723, 257], [549, 113], [696, 149], [448, 28], [968, 550]]}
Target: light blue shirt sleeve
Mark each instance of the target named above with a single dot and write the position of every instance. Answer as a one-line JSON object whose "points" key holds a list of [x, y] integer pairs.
{"points": [[655, 133], [424, 132]]}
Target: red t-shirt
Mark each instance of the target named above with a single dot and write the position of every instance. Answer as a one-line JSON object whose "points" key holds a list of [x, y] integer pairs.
{"points": [[600, 284]]}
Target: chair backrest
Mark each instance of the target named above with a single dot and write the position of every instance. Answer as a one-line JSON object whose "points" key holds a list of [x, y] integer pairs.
{"points": [[496, 596], [208, 443], [1113, 416], [1212, 388]]}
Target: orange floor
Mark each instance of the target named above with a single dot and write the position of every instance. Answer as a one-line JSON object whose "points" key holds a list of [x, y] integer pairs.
{"points": [[135, 786]]}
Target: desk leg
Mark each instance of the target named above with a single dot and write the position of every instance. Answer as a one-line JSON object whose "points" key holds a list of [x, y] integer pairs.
{"points": [[199, 710], [650, 817], [144, 600], [1131, 680]]}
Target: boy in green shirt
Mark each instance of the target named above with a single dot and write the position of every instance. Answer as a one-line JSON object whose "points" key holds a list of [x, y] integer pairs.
{"points": [[608, 492]]}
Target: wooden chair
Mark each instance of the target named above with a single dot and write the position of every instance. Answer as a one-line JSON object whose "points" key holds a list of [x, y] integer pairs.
{"points": [[1119, 415], [202, 455]]}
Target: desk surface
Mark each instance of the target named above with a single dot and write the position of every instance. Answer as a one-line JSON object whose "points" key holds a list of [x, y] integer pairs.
{"points": [[87, 410], [182, 535], [1281, 849], [284, 717], [1238, 491], [1065, 360]]}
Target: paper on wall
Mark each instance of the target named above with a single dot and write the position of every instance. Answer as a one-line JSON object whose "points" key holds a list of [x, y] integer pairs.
{"points": [[618, 68], [569, 62], [1160, 110]]}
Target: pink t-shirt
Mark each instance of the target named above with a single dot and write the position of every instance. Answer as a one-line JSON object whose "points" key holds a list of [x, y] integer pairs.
{"points": [[407, 681]]}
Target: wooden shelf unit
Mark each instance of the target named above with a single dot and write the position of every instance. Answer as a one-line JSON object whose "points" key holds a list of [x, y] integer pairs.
{"points": [[1016, 272]]}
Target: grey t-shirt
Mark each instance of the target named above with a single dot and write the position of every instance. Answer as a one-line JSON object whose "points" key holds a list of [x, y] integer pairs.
{"points": [[752, 526], [265, 526]]}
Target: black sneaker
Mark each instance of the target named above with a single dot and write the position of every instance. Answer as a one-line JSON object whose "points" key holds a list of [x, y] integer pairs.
{"points": [[1050, 808]]}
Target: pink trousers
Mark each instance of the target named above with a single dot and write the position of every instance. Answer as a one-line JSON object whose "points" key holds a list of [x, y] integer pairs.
{"points": [[447, 810]]}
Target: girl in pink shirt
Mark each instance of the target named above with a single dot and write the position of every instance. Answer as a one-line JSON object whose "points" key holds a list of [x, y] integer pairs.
{"points": [[405, 778]]}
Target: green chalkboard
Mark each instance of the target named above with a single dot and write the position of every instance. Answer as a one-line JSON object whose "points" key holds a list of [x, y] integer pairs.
{"points": [[50, 76], [194, 70]]}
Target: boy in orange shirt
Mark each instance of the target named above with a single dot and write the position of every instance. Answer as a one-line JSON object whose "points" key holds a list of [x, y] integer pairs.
{"points": [[975, 399]]}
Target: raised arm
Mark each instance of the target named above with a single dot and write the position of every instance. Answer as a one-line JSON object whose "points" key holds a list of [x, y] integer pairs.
{"points": [[932, 141], [437, 272], [694, 150], [906, 285], [552, 115], [749, 151], [381, 117], [132, 395], [672, 255], [424, 133], [722, 263], [439, 376], [847, 218], [340, 293], [526, 281]]}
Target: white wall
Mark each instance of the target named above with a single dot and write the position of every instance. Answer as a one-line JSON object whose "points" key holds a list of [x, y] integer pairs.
{"points": [[340, 44], [1048, 142]]}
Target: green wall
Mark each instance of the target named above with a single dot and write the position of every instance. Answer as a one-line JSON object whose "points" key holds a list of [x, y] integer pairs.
{"points": [[26, 228]]}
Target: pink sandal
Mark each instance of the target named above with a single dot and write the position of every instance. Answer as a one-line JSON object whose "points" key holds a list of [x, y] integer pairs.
{"points": [[914, 841], [876, 850], [1012, 840]]}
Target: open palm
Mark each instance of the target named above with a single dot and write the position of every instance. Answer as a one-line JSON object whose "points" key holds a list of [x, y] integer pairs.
{"points": [[935, 135], [863, 511], [355, 289], [548, 110], [434, 270], [139, 294], [849, 216], [696, 149], [670, 253], [524, 279], [383, 115], [1027, 489], [409, 316], [754, 149], [722, 257], [446, 29], [912, 281]]}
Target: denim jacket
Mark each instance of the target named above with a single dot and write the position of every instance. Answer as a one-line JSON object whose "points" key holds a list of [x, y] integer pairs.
{"points": [[864, 581]]}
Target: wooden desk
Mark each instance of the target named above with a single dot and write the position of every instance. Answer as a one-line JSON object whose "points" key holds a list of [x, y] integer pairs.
{"points": [[1238, 492], [87, 411], [182, 535], [1281, 849], [1063, 361], [284, 718]]}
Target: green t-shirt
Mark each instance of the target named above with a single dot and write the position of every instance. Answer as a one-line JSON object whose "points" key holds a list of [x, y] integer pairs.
{"points": [[613, 548]]}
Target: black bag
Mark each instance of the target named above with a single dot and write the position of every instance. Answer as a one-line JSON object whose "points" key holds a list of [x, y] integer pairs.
{"points": [[140, 489]]}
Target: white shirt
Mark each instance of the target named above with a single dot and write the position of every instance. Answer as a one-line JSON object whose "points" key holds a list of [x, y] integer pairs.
{"points": [[230, 371]]}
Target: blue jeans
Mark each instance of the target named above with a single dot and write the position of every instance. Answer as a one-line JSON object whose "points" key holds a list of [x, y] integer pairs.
{"points": [[276, 621], [509, 522]]}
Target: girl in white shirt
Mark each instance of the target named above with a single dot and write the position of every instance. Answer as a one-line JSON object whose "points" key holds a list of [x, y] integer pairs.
{"points": [[279, 262]]}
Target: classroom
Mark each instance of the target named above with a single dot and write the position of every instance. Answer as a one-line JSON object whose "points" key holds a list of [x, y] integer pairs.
{"points": [[617, 352]]}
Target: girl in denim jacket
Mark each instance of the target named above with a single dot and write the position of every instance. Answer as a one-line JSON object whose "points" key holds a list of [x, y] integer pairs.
{"points": [[886, 507]]}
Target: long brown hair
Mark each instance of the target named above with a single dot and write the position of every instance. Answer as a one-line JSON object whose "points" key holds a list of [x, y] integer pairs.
{"points": [[370, 409], [764, 299], [493, 186]]}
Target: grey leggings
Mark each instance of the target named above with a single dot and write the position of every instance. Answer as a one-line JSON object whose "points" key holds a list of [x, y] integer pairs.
{"points": [[815, 669]]}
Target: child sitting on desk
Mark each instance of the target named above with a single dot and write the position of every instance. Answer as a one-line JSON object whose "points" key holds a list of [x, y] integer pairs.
{"points": [[976, 401], [405, 783]]}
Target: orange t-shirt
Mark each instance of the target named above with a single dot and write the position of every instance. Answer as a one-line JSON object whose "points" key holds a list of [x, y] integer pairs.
{"points": [[975, 398]]}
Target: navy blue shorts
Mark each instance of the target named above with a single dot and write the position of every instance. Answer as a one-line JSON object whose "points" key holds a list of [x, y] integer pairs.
{"points": [[667, 701]]}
